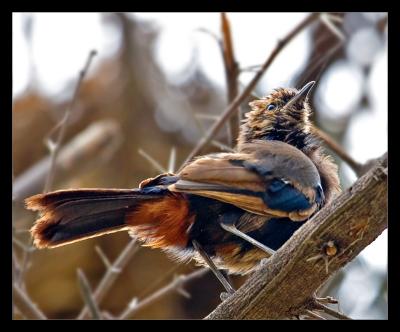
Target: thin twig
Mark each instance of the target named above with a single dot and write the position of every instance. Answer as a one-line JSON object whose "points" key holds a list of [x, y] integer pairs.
{"points": [[335, 18], [230, 66], [172, 160], [55, 147], [357, 167], [111, 275], [210, 33], [323, 61], [25, 304], [314, 315], [88, 295], [152, 161], [22, 245], [327, 21], [222, 146], [160, 280], [103, 257], [328, 299], [89, 148], [231, 76], [175, 284], [250, 68], [24, 265], [15, 266], [213, 142], [331, 312], [245, 93], [107, 315]]}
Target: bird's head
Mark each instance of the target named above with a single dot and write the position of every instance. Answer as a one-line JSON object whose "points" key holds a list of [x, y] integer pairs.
{"points": [[283, 115]]}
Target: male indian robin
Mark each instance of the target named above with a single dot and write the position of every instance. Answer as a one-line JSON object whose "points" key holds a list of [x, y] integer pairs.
{"points": [[227, 210]]}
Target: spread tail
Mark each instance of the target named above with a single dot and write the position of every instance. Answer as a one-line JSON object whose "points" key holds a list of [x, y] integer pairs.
{"points": [[68, 216], [154, 215]]}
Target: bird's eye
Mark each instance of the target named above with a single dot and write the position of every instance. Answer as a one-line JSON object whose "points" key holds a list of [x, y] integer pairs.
{"points": [[271, 107]]}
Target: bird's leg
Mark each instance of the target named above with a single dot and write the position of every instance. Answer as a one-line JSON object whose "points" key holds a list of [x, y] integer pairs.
{"points": [[230, 227], [215, 270]]}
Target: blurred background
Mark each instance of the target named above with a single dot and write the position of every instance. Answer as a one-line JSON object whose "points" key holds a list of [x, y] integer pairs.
{"points": [[157, 83]]}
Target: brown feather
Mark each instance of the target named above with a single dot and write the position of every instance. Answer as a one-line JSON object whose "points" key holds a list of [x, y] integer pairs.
{"points": [[216, 176], [328, 171], [161, 223], [249, 203], [68, 216], [218, 169]]}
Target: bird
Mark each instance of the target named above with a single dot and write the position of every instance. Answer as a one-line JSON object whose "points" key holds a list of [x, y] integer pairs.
{"points": [[227, 210]]}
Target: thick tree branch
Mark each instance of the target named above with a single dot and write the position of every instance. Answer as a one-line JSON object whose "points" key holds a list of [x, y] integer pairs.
{"points": [[286, 284]]}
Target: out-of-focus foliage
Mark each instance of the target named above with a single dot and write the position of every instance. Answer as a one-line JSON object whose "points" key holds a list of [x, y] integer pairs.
{"points": [[161, 78]]}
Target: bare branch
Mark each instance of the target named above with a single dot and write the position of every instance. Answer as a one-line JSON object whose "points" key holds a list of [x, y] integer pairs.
{"points": [[331, 312], [85, 149], [231, 76], [64, 124], [88, 295], [15, 267], [314, 315], [335, 147], [210, 33], [245, 93], [22, 245], [111, 275], [157, 282], [320, 61], [175, 285], [172, 160], [24, 265], [152, 161], [25, 305], [103, 257], [327, 20], [222, 146], [250, 68]]}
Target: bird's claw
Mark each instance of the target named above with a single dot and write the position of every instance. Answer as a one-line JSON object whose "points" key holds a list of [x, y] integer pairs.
{"points": [[264, 262], [224, 296]]}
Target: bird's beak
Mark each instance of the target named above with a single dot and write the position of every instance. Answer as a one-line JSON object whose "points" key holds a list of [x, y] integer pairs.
{"points": [[302, 95]]}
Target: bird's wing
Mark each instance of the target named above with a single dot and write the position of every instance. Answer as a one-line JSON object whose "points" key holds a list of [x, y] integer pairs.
{"points": [[253, 181]]}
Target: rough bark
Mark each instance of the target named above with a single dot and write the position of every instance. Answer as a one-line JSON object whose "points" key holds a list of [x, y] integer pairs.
{"points": [[285, 285]]}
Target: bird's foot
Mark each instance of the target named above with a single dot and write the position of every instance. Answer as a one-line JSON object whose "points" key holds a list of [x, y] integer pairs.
{"points": [[225, 295], [265, 261]]}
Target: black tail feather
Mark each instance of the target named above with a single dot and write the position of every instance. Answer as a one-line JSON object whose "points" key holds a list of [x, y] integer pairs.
{"points": [[72, 215]]}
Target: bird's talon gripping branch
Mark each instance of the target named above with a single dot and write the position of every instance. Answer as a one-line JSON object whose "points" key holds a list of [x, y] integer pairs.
{"points": [[224, 296], [265, 261]]}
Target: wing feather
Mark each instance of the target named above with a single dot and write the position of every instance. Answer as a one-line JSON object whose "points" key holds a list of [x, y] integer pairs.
{"points": [[258, 180]]}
